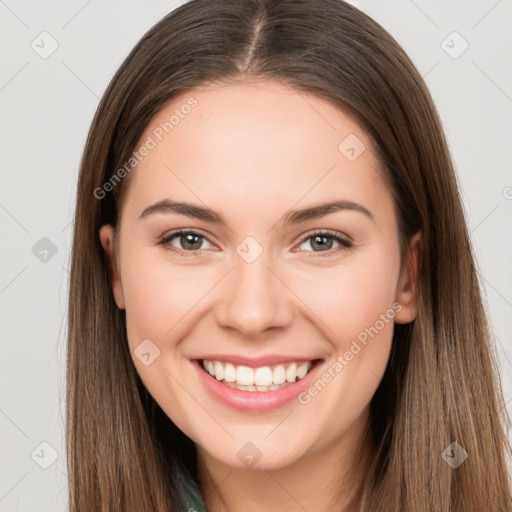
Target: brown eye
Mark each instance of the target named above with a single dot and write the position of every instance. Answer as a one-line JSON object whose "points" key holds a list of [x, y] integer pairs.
{"points": [[184, 241], [324, 242], [190, 241]]}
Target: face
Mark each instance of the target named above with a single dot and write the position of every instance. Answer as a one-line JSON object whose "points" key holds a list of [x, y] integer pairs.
{"points": [[259, 318]]}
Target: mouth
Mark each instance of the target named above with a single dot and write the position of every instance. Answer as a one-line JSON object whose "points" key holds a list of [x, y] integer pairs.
{"points": [[252, 386], [259, 379]]}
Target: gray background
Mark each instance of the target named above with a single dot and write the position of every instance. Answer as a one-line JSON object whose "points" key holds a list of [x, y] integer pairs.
{"points": [[47, 105]]}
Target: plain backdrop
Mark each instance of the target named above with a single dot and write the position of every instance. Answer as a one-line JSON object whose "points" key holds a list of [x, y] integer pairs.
{"points": [[57, 58]]}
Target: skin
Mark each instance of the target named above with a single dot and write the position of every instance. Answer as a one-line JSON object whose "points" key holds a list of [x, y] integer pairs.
{"points": [[252, 152]]}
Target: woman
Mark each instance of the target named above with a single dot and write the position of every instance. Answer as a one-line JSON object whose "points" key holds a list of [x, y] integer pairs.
{"points": [[273, 298]]}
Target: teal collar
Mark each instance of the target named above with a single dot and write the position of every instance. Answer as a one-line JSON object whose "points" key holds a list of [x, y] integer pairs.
{"points": [[190, 494]]}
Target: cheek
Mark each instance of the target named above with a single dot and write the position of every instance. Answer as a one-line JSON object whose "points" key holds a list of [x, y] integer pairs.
{"points": [[158, 297], [159, 300], [349, 300], [355, 308]]}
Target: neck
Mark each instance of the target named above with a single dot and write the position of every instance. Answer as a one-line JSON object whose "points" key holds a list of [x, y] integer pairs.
{"points": [[319, 481]]}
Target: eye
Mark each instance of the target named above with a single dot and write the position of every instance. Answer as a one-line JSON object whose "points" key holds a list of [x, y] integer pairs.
{"points": [[185, 241], [190, 242], [324, 241]]}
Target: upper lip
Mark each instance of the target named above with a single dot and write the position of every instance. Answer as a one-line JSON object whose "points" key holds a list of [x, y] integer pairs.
{"points": [[255, 362]]}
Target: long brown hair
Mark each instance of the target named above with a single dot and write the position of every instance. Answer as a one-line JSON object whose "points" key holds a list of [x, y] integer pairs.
{"points": [[442, 383]]}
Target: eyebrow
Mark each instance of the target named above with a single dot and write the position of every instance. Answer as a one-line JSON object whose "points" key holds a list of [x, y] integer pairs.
{"points": [[167, 206]]}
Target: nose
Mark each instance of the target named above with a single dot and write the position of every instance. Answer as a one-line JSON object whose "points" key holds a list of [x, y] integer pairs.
{"points": [[254, 299]]}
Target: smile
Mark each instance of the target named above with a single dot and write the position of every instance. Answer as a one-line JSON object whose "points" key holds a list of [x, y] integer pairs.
{"points": [[261, 379], [255, 385]]}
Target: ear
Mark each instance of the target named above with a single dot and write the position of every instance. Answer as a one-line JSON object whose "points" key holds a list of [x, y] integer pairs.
{"points": [[107, 241], [407, 282]]}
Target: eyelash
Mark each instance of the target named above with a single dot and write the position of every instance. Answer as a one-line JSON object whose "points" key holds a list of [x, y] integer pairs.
{"points": [[344, 244]]}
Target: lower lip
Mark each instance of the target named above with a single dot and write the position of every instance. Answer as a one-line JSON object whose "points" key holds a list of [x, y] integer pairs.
{"points": [[254, 401]]}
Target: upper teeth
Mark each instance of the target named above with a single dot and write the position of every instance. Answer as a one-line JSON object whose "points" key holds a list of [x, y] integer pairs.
{"points": [[262, 376]]}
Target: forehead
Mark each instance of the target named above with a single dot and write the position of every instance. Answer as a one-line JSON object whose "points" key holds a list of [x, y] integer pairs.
{"points": [[254, 146]]}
